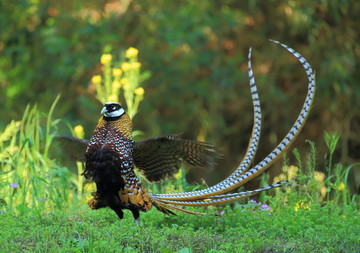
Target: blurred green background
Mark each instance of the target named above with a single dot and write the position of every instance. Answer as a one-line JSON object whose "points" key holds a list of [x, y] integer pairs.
{"points": [[196, 52]]}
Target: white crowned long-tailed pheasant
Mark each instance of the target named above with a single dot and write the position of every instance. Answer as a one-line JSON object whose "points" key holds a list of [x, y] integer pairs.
{"points": [[111, 156]]}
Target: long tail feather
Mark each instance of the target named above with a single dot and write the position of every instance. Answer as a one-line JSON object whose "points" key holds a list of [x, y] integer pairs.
{"points": [[251, 149], [160, 205], [226, 198], [228, 185]]}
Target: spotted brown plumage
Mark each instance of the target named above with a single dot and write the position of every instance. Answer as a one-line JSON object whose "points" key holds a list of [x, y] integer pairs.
{"points": [[110, 164], [111, 156]]}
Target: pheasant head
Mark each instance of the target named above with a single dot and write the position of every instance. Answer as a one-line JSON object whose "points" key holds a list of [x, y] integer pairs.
{"points": [[114, 114]]}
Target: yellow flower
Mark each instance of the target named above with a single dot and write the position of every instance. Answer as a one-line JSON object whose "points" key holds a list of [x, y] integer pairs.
{"points": [[319, 176], [113, 98], [127, 86], [281, 177], [292, 172], [140, 91], [179, 174], [96, 79], [135, 65], [116, 72], [126, 66], [123, 81], [323, 191], [301, 205], [116, 84], [170, 189], [341, 186], [79, 131], [105, 58], [131, 52]]}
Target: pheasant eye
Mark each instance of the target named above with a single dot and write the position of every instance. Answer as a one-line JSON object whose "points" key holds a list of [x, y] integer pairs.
{"points": [[112, 110]]}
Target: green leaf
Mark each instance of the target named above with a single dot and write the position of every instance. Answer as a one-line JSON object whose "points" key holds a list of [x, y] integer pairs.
{"points": [[331, 140]]}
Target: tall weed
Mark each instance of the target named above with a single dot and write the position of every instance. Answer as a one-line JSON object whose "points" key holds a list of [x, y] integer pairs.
{"points": [[29, 179]]}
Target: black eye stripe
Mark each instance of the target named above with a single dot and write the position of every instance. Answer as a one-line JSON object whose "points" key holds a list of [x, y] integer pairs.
{"points": [[112, 107]]}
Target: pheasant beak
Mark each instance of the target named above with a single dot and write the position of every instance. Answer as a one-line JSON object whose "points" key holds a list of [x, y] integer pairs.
{"points": [[104, 110]]}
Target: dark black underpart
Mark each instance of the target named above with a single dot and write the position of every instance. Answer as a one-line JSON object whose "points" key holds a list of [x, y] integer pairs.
{"points": [[111, 118], [103, 168]]}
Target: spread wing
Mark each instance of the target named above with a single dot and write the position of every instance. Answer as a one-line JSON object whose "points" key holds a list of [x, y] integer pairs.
{"points": [[161, 157], [74, 147], [157, 158]]}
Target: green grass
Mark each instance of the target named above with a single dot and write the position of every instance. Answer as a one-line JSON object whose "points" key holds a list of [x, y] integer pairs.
{"points": [[320, 229]]}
